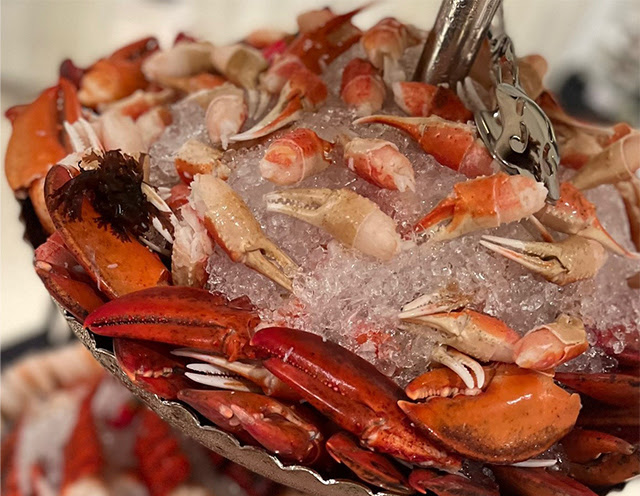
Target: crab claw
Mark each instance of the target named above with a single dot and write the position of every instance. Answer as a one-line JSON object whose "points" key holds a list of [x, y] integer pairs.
{"points": [[275, 426], [453, 144], [519, 415], [234, 228], [217, 369], [371, 467], [618, 162], [445, 382], [574, 214], [574, 259], [352, 219], [550, 345], [304, 91], [483, 203], [448, 485]]}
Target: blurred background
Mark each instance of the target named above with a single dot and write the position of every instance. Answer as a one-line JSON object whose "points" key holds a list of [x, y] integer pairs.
{"points": [[592, 46]]}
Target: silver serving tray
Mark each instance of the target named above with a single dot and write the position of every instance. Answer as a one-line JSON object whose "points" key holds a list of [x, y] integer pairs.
{"points": [[255, 459]]}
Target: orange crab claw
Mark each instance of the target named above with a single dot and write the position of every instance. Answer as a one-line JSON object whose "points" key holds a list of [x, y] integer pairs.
{"points": [[151, 366], [448, 485], [180, 316], [117, 266], [65, 279], [453, 144], [538, 482], [36, 141], [611, 388], [318, 47], [272, 424], [422, 100], [371, 467], [163, 465], [350, 391], [116, 76], [520, 414]]}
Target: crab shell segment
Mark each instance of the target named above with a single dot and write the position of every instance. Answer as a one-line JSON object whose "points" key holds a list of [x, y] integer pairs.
{"points": [[574, 214], [453, 144], [480, 335], [523, 414], [381, 163], [573, 259], [448, 484], [234, 228], [362, 88], [483, 203], [550, 345], [194, 157], [384, 45], [350, 391], [538, 482], [179, 316], [354, 220], [420, 99], [272, 424], [118, 267], [373, 468], [617, 389], [293, 157]]}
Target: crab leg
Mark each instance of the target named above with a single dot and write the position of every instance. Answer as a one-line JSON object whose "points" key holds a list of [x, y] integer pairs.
{"points": [[226, 113], [361, 87], [350, 391], [630, 193], [612, 388], [448, 485], [303, 92], [180, 316], [272, 424], [574, 259], [522, 414], [186, 58], [384, 45], [538, 482], [422, 100], [454, 145], [352, 219], [574, 214], [235, 229]]}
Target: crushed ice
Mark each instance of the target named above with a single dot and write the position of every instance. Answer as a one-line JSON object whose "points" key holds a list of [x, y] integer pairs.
{"points": [[353, 300]]}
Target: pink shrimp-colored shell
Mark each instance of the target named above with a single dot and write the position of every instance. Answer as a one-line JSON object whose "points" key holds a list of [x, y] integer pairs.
{"points": [[362, 87]]}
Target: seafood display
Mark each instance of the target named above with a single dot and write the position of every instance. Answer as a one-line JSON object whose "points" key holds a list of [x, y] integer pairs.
{"points": [[291, 243]]}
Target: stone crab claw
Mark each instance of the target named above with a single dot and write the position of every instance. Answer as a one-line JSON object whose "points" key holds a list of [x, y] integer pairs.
{"points": [[483, 203], [234, 228], [303, 92], [275, 426], [352, 219], [217, 371], [573, 259], [351, 392], [574, 214], [520, 414], [549, 345]]}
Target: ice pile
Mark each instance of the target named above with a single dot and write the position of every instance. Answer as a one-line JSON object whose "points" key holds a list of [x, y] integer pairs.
{"points": [[354, 300]]}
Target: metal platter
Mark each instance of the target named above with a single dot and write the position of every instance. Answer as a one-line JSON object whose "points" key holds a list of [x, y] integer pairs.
{"points": [[189, 423]]}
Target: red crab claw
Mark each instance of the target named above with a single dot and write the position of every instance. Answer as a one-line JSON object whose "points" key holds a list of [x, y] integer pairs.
{"points": [[611, 388], [151, 367], [118, 266], [371, 467], [179, 316], [116, 76], [272, 424], [65, 279], [350, 391], [37, 143], [448, 485], [304, 91], [599, 459], [519, 415], [422, 100], [221, 373], [83, 457], [538, 482], [455, 145], [163, 466], [319, 47]]}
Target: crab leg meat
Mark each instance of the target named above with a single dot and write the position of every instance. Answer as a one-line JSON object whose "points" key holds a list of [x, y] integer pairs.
{"points": [[362, 87], [422, 100]]}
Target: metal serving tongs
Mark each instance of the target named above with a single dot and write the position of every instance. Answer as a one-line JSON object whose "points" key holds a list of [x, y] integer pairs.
{"points": [[517, 133]]}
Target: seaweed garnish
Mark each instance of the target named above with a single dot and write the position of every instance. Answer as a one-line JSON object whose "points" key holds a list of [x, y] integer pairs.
{"points": [[114, 189]]}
